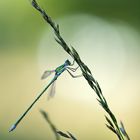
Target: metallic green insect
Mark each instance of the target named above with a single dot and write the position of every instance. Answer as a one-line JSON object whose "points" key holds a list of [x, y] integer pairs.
{"points": [[58, 71]]}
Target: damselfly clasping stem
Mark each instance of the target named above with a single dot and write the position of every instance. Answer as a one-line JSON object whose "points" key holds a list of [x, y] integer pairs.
{"points": [[58, 71]]}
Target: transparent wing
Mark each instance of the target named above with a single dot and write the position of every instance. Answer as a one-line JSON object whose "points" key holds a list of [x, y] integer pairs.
{"points": [[47, 73], [52, 90]]}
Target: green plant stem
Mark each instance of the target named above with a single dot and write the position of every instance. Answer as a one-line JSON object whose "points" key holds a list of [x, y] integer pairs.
{"points": [[52, 126]]}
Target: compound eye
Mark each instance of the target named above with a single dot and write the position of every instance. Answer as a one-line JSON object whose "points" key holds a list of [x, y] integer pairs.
{"points": [[69, 62]]}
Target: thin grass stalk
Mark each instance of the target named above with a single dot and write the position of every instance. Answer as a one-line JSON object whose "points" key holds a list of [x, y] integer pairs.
{"points": [[52, 126], [56, 132]]}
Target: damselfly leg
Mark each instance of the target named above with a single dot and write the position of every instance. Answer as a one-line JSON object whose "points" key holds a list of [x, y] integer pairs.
{"points": [[73, 69], [74, 76]]}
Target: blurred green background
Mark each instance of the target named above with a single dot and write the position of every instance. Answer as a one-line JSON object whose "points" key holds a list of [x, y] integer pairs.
{"points": [[107, 36]]}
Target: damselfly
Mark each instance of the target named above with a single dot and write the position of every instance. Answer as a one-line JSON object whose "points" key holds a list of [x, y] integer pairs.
{"points": [[58, 71]]}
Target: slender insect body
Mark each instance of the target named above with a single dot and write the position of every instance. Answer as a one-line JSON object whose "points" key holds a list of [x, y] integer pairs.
{"points": [[58, 71]]}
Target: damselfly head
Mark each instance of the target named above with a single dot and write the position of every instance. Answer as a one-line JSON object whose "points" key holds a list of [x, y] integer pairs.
{"points": [[67, 62]]}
